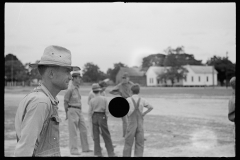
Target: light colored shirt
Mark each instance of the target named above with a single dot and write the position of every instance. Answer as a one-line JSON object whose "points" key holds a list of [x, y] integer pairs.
{"points": [[98, 104], [123, 89], [28, 130], [92, 95], [73, 96], [143, 103]]}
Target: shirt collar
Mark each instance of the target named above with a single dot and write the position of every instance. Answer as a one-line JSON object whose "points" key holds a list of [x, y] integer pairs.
{"points": [[75, 86], [54, 101], [135, 95]]}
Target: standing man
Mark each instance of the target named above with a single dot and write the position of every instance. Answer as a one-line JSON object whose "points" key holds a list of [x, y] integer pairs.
{"points": [[124, 90], [91, 95], [37, 121], [231, 106], [73, 108], [135, 131], [99, 113]]}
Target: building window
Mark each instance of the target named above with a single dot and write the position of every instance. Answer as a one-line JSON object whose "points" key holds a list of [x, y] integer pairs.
{"points": [[199, 78], [207, 78], [192, 78]]}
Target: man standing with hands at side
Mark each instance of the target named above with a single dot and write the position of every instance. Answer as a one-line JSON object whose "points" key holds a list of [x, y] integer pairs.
{"points": [[73, 108]]}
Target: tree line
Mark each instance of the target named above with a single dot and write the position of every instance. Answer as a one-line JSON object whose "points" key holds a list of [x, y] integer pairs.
{"points": [[174, 58]]}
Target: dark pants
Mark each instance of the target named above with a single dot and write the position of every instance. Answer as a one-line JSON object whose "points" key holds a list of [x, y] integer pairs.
{"points": [[99, 120]]}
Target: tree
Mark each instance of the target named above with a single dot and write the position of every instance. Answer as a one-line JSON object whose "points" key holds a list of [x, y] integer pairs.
{"points": [[225, 68], [153, 59], [182, 57], [14, 69], [92, 73], [173, 65], [111, 73]]}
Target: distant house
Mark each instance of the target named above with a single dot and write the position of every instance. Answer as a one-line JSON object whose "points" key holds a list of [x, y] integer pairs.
{"points": [[135, 75], [196, 76]]}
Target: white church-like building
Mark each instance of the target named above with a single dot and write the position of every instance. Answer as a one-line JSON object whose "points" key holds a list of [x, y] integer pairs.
{"points": [[196, 76]]}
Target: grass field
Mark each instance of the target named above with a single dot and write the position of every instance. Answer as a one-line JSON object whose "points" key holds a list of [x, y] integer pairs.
{"points": [[185, 122]]}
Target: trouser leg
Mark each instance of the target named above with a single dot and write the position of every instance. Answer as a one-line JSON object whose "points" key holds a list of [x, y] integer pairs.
{"points": [[96, 135], [106, 136], [139, 142], [129, 139], [72, 128], [124, 125], [83, 133]]}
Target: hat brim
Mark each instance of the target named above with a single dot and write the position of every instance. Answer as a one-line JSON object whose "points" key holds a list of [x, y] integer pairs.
{"points": [[99, 89], [73, 68]]}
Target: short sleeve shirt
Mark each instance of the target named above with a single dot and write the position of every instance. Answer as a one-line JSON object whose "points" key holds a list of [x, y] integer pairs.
{"points": [[73, 96]]}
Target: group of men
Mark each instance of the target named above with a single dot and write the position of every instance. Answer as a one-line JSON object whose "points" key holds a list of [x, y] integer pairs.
{"points": [[37, 120]]}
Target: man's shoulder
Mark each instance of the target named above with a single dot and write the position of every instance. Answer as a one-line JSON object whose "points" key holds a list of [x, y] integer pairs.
{"points": [[34, 98]]}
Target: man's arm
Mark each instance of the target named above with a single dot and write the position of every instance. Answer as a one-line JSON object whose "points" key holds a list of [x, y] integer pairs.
{"points": [[31, 128], [148, 106], [107, 109], [90, 111], [67, 97], [231, 109], [115, 90]]}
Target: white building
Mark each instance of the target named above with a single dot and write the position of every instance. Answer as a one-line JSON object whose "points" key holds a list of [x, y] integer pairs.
{"points": [[196, 76]]}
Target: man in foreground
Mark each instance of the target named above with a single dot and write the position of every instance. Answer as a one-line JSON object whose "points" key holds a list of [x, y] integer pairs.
{"points": [[37, 121]]}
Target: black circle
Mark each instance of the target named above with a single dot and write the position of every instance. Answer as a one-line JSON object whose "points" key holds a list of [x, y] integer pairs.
{"points": [[118, 107]]}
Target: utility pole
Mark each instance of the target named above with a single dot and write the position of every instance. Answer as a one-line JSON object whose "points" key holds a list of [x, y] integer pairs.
{"points": [[12, 71], [213, 75], [226, 71]]}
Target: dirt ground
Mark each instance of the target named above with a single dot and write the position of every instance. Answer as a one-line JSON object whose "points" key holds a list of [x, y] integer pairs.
{"points": [[179, 126]]}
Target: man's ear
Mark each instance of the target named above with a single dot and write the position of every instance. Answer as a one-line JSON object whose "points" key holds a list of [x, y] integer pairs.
{"points": [[50, 73]]}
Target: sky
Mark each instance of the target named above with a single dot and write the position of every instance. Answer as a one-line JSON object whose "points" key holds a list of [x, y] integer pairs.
{"points": [[108, 33]]}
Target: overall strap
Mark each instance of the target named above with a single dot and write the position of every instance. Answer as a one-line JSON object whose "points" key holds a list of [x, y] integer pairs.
{"points": [[25, 109], [136, 106]]}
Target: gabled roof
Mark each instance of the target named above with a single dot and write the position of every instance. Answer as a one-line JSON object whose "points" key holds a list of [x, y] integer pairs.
{"points": [[202, 69], [132, 71], [158, 69]]}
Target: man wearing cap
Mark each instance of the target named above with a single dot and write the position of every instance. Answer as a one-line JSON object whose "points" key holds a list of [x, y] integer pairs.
{"points": [[91, 95], [99, 113], [123, 89], [37, 120], [231, 106], [73, 108]]}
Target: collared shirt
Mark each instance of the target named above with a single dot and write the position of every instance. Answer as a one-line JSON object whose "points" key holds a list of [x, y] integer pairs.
{"points": [[73, 96], [98, 104], [123, 89], [28, 130], [143, 103], [92, 95]]}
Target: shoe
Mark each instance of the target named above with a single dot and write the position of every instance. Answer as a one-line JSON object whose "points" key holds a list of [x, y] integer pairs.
{"points": [[88, 150], [98, 155], [75, 154]]}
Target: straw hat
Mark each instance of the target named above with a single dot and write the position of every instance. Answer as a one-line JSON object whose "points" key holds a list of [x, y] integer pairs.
{"points": [[56, 56], [96, 87]]}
